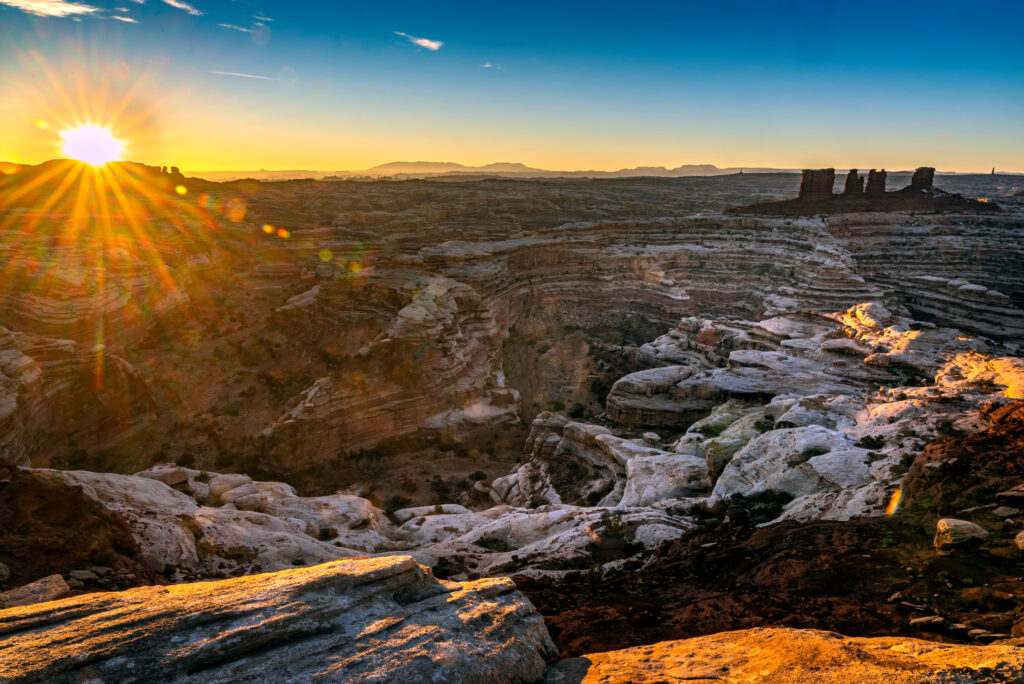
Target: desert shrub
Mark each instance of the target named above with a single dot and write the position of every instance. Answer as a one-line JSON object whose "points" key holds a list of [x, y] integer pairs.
{"points": [[440, 487], [754, 509], [710, 430], [613, 524], [494, 544], [946, 429], [395, 503], [871, 442]]}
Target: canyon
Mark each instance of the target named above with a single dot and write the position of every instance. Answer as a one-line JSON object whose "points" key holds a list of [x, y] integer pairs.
{"points": [[508, 427]]}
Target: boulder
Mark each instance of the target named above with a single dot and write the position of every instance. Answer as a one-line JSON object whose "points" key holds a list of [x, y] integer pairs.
{"points": [[951, 533], [371, 620], [798, 461], [405, 514], [652, 478], [172, 476], [42, 590]]}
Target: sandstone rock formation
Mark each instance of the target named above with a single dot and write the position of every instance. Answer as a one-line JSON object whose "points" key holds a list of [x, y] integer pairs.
{"points": [[815, 197], [854, 183], [894, 582], [794, 407], [364, 620], [724, 414], [923, 178], [816, 184], [876, 182], [55, 392], [790, 655]]}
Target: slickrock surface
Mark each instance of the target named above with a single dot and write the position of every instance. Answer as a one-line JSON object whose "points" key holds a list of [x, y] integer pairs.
{"points": [[792, 656], [862, 577], [372, 620], [825, 410]]}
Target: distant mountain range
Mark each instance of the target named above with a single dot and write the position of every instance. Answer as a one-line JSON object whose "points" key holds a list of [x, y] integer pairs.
{"points": [[429, 169], [401, 170]]}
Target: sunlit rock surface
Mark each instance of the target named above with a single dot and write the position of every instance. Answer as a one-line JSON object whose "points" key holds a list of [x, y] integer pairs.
{"points": [[794, 655], [371, 620]]}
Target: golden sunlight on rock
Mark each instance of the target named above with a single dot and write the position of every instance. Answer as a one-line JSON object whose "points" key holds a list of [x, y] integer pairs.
{"points": [[792, 656]]}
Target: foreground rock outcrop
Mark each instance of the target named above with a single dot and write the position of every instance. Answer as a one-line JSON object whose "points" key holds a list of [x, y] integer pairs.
{"points": [[371, 620], [879, 576], [794, 655]]}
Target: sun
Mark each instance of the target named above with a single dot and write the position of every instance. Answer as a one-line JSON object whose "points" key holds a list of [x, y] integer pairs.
{"points": [[92, 144]]}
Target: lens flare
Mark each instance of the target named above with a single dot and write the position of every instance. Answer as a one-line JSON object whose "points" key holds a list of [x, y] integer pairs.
{"points": [[92, 144], [894, 502]]}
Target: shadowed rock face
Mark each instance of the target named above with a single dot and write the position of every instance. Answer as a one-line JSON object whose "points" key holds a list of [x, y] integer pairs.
{"points": [[923, 178], [432, 327], [876, 182], [48, 526], [792, 655], [367, 620], [55, 393], [854, 183], [815, 184]]}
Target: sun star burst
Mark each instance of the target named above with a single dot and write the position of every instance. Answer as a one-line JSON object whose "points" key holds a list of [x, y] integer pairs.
{"points": [[92, 144]]}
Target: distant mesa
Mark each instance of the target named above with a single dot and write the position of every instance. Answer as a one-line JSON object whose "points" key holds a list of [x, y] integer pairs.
{"points": [[816, 196]]}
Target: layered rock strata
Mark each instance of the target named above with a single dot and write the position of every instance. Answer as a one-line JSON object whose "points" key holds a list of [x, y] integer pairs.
{"points": [[364, 620], [436, 340], [54, 393]]}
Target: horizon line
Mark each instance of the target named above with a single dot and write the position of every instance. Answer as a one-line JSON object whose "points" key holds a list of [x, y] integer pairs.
{"points": [[753, 168]]}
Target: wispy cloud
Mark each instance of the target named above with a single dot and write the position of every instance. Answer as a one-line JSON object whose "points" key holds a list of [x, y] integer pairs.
{"points": [[127, 20], [235, 28], [259, 31], [139, 2], [432, 45], [259, 17], [178, 4], [235, 73], [51, 8], [488, 65]]}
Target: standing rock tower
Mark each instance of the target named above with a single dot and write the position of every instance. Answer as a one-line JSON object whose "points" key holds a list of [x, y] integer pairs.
{"points": [[876, 182], [923, 178], [817, 183], [854, 183]]}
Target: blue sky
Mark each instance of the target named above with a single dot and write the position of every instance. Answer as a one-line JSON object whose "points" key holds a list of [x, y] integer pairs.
{"points": [[571, 85]]}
